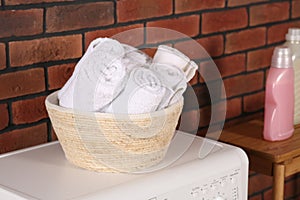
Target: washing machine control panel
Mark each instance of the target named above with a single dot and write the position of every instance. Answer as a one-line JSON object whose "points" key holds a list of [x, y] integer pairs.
{"points": [[224, 186]]}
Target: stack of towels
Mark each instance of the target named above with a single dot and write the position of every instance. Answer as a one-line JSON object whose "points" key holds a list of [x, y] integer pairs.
{"points": [[117, 78]]}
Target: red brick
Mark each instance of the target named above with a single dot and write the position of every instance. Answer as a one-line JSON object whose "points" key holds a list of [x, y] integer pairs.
{"points": [[231, 65], [209, 71], [4, 119], [189, 121], [291, 188], [252, 173], [267, 13], [21, 22], [203, 47], [45, 49], [130, 10], [276, 33], [268, 194], [53, 135], [149, 51], [18, 2], [59, 74], [195, 97], [2, 56], [131, 34], [185, 26], [20, 83], [234, 108], [28, 111], [224, 20], [21, 138], [227, 66], [290, 191], [213, 45], [223, 110], [295, 8], [258, 183], [256, 197], [205, 115], [182, 6], [298, 181], [267, 73], [215, 90], [240, 84], [202, 131], [72, 17], [254, 102], [232, 3], [244, 40], [259, 59]]}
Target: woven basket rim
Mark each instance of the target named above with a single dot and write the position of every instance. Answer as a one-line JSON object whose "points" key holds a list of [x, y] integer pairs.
{"points": [[51, 102]]}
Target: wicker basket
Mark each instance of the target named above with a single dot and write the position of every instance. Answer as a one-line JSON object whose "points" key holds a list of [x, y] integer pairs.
{"points": [[113, 142]]}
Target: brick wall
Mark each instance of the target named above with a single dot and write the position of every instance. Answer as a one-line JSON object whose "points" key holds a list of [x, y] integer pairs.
{"points": [[41, 41]]}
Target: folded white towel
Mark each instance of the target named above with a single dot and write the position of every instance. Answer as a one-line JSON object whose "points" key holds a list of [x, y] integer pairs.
{"points": [[98, 77], [142, 94], [173, 80], [171, 56]]}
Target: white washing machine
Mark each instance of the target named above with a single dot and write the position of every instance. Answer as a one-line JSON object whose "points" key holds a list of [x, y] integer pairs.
{"points": [[193, 169]]}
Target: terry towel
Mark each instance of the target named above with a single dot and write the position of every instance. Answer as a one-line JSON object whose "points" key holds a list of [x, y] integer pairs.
{"points": [[171, 56], [134, 58], [173, 80], [118, 78], [65, 95], [143, 93], [98, 77]]}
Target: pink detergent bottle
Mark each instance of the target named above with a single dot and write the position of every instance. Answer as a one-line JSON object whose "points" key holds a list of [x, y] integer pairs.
{"points": [[279, 100]]}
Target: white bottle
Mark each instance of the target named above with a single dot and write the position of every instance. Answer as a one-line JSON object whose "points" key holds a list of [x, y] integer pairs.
{"points": [[293, 41]]}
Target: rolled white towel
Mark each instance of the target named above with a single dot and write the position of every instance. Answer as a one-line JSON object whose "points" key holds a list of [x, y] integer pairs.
{"points": [[173, 79], [142, 94], [98, 78], [110, 84], [134, 58], [172, 56], [65, 94]]}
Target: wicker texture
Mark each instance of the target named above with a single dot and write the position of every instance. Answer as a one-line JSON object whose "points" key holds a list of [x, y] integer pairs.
{"points": [[113, 142]]}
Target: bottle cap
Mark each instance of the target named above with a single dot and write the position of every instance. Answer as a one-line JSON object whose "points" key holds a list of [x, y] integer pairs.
{"points": [[282, 57], [293, 34]]}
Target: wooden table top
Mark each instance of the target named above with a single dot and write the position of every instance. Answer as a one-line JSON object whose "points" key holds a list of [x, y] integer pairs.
{"points": [[249, 136]]}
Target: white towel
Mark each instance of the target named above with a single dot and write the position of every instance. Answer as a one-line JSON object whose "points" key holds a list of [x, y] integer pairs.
{"points": [[134, 58], [142, 94], [171, 56], [118, 78], [65, 95], [173, 79], [98, 78]]}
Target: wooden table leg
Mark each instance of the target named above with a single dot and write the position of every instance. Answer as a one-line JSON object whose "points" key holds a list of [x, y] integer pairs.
{"points": [[278, 182]]}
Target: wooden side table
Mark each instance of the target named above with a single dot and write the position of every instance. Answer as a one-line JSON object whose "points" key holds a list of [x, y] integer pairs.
{"points": [[277, 159]]}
